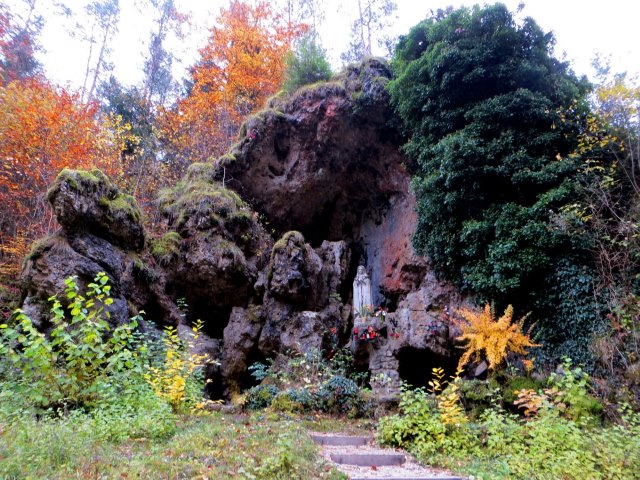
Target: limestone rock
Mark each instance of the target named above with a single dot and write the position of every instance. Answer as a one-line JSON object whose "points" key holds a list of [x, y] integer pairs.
{"points": [[220, 247], [319, 160], [101, 231], [240, 344], [89, 202]]}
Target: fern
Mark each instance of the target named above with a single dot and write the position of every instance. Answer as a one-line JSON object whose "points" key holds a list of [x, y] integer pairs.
{"points": [[490, 338]]}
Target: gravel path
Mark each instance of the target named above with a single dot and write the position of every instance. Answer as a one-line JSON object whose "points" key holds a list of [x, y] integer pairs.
{"points": [[410, 469]]}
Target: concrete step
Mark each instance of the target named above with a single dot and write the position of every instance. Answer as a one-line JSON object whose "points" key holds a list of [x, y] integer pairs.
{"points": [[340, 440], [369, 459]]}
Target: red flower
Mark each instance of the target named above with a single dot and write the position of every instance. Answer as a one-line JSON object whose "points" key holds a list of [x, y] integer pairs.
{"points": [[355, 331], [333, 330]]}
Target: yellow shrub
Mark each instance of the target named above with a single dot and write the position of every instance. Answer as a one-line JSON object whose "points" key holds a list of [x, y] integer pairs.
{"points": [[493, 339], [171, 380]]}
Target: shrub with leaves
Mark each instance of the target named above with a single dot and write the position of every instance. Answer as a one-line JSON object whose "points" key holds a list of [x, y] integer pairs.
{"points": [[176, 381], [73, 364], [500, 445], [338, 394], [491, 339], [260, 396]]}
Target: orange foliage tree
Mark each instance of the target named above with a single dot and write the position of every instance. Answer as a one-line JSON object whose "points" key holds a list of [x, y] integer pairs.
{"points": [[42, 130], [242, 65]]}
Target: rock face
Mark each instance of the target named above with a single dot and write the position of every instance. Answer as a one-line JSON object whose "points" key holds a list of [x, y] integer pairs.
{"points": [[101, 231], [323, 169], [323, 160], [220, 247]]}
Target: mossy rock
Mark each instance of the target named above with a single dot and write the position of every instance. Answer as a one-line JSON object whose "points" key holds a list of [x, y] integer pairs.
{"points": [[144, 272], [122, 207], [202, 171], [84, 182], [39, 247], [200, 205], [292, 237], [88, 201], [166, 248]]}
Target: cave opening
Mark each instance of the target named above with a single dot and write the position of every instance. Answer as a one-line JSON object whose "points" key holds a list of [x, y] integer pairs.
{"points": [[214, 317], [416, 364]]}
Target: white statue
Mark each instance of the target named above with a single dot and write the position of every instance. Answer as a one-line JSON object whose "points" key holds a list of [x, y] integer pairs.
{"points": [[362, 299]]}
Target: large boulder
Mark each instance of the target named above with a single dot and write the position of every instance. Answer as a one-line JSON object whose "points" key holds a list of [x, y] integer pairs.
{"points": [[101, 231], [322, 159], [88, 202], [220, 247], [301, 308]]}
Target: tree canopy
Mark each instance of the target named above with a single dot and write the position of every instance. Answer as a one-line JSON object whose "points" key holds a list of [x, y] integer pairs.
{"points": [[492, 117]]}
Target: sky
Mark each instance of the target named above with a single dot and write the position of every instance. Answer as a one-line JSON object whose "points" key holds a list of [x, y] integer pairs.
{"points": [[583, 28]]}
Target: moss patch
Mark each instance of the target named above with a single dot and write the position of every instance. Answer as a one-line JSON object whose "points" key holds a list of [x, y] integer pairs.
{"points": [[293, 236], [166, 248], [83, 181], [122, 207]]}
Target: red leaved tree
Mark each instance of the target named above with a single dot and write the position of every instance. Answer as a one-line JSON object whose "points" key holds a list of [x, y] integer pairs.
{"points": [[44, 129], [242, 65]]}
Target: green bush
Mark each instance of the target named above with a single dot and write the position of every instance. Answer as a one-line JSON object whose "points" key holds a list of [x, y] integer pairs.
{"points": [[572, 389], [283, 402], [302, 397], [73, 365], [260, 396], [338, 394], [308, 64], [420, 427], [326, 388], [502, 445], [492, 120]]}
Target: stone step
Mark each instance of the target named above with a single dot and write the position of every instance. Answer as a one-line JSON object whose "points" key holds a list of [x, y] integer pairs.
{"points": [[340, 440], [369, 459]]}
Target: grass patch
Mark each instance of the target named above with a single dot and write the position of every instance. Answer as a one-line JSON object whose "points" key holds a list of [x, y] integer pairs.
{"points": [[211, 446]]}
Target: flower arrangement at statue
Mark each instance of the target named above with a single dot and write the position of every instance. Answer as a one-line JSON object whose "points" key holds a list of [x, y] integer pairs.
{"points": [[374, 324]]}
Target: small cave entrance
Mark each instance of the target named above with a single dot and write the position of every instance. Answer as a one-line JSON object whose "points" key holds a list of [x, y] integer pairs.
{"points": [[416, 364], [246, 379], [214, 317]]}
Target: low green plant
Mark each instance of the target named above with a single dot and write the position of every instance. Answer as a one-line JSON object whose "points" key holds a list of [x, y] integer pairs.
{"points": [[71, 366], [339, 395], [501, 445], [259, 371], [305, 382], [177, 380], [570, 388], [260, 396]]}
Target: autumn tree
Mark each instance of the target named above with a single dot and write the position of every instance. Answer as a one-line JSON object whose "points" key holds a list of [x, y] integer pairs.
{"points": [[42, 130], [241, 65]]}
